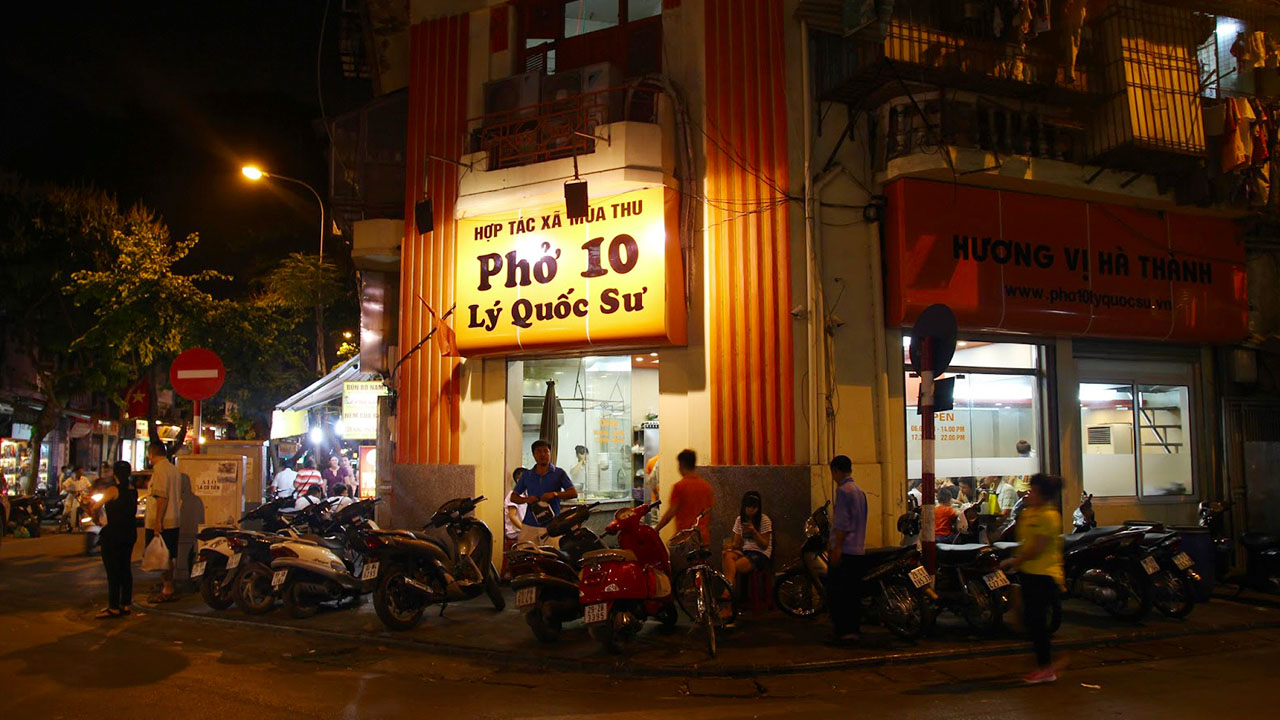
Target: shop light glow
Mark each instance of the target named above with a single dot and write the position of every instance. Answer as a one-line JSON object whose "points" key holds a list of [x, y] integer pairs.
{"points": [[317, 435], [339, 428]]}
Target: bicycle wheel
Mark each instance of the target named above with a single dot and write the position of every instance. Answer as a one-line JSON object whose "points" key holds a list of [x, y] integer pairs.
{"points": [[709, 612]]}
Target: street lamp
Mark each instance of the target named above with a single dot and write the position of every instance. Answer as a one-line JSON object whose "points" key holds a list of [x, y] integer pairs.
{"points": [[255, 174]]}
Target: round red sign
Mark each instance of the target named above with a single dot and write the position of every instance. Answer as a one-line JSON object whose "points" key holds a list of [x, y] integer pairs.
{"points": [[197, 374]]}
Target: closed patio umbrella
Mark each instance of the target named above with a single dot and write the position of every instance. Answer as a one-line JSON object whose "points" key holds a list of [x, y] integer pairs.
{"points": [[549, 425]]}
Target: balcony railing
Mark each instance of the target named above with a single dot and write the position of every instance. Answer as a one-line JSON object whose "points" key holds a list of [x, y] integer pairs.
{"points": [[560, 128], [874, 63]]}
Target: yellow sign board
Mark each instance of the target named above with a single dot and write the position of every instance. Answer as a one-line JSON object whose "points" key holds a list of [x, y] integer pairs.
{"points": [[533, 278], [360, 408]]}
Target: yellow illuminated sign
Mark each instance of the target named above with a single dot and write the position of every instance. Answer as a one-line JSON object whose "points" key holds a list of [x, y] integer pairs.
{"points": [[533, 278]]}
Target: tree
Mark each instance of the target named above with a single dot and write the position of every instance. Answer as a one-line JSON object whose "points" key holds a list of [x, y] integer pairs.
{"points": [[304, 281], [47, 233]]}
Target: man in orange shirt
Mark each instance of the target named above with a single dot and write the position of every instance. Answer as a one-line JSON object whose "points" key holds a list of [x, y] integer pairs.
{"points": [[689, 497]]}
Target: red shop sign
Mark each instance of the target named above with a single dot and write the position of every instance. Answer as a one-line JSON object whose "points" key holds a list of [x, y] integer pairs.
{"points": [[1046, 265]]}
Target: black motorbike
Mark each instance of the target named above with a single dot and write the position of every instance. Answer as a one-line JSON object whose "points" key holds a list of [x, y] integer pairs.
{"points": [[971, 585], [1107, 566], [1173, 586], [800, 589], [1262, 550], [25, 511], [896, 585], [545, 577], [417, 570]]}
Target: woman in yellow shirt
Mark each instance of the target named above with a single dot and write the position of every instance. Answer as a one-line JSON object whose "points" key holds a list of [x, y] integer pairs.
{"points": [[1039, 564]]}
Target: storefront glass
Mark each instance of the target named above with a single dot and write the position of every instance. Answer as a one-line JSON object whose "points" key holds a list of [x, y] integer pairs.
{"points": [[994, 428], [1116, 458], [601, 401]]}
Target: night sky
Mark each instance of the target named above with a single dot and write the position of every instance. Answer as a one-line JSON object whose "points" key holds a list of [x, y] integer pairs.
{"points": [[161, 102]]}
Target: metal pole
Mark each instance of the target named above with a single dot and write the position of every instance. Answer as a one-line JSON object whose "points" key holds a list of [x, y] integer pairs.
{"points": [[928, 542], [314, 194], [196, 422]]}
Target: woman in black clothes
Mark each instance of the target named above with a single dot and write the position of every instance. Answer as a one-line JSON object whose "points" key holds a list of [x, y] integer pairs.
{"points": [[117, 538]]}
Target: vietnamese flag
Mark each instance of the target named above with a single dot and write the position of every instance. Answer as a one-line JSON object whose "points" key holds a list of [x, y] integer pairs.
{"points": [[137, 399]]}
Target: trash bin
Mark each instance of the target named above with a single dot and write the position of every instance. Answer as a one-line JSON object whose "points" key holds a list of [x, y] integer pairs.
{"points": [[1198, 543]]}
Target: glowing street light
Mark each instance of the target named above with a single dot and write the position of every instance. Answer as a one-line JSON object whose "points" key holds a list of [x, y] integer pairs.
{"points": [[255, 173]]}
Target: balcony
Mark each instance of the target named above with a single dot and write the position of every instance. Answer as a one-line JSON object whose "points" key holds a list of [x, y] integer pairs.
{"points": [[614, 138], [876, 63], [559, 128]]}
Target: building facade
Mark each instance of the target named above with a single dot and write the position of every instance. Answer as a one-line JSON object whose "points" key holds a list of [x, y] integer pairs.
{"points": [[774, 190]]}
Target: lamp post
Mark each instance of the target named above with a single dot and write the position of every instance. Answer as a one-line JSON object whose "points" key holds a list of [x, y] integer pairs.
{"points": [[254, 173]]}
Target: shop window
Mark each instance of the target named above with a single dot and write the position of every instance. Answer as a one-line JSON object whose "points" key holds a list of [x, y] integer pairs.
{"points": [[641, 9], [995, 427], [1130, 444], [588, 16], [565, 35], [1106, 420], [604, 406]]}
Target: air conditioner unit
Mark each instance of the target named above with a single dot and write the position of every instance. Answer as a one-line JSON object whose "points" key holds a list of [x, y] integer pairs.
{"points": [[1109, 439], [561, 86], [518, 92]]}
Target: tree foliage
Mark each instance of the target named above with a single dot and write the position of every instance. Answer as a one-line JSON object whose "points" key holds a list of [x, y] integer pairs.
{"points": [[302, 281]]}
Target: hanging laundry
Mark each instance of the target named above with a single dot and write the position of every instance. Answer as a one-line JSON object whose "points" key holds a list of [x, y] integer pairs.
{"points": [[1233, 155], [1073, 14]]}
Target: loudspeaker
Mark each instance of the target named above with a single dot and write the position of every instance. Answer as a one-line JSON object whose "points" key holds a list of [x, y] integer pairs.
{"points": [[575, 199], [423, 218]]}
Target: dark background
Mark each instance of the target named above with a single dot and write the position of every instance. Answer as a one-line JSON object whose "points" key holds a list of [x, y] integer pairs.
{"points": [[162, 102]]}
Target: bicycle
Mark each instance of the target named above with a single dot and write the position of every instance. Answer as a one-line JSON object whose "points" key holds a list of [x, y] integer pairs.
{"points": [[701, 590]]}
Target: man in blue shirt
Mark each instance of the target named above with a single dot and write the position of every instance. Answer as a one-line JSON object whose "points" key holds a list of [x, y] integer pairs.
{"points": [[543, 482], [848, 547]]}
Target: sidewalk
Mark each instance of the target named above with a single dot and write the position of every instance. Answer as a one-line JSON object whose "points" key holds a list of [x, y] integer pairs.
{"points": [[768, 644]]}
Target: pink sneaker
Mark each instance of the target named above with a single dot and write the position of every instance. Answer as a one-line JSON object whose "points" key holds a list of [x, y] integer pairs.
{"points": [[1043, 675]]}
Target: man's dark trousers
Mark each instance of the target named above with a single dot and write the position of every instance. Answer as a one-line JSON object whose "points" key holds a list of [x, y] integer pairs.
{"points": [[845, 589]]}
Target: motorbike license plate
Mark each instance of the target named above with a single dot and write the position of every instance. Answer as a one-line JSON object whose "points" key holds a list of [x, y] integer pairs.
{"points": [[277, 579], [370, 571], [198, 569], [234, 561], [919, 576], [597, 613], [996, 580], [526, 597], [1150, 565], [1183, 561]]}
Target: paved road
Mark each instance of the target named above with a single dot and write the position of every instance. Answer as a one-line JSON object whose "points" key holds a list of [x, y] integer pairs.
{"points": [[57, 662]]}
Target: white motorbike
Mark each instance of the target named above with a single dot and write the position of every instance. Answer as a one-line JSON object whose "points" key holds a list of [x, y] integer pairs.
{"points": [[315, 569]]}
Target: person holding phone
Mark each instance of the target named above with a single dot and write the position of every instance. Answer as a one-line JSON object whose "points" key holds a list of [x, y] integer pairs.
{"points": [[752, 543]]}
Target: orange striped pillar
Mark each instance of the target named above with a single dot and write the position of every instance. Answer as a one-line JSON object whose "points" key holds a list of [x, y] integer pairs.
{"points": [[748, 243], [429, 393]]}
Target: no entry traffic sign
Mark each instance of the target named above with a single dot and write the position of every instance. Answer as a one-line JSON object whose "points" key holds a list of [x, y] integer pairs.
{"points": [[197, 374]]}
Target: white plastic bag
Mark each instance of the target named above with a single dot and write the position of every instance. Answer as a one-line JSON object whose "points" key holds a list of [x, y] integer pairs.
{"points": [[156, 555]]}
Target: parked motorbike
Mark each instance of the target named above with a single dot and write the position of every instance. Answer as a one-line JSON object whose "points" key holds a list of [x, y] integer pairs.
{"points": [[896, 585], [416, 570], [800, 588], [971, 585], [545, 577], [1107, 566], [312, 569], [25, 512], [227, 555], [621, 588], [1262, 549], [1173, 587]]}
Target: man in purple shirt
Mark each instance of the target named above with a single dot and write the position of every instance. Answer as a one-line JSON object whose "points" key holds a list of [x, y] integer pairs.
{"points": [[848, 545]]}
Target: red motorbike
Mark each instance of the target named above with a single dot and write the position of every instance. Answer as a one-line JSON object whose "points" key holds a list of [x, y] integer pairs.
{"points": [[622, 587]]}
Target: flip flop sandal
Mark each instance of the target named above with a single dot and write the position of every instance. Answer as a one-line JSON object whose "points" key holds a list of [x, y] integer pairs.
{"points": [[108, 613], [162, 598]]}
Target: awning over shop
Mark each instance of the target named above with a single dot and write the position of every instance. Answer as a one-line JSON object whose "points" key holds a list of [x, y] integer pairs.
{"points": [[289, 418]]}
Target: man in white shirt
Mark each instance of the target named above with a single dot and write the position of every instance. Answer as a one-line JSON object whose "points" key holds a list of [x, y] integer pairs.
{"points": [[283, 482], [164, 511], [341, 498], [73, 486]]}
